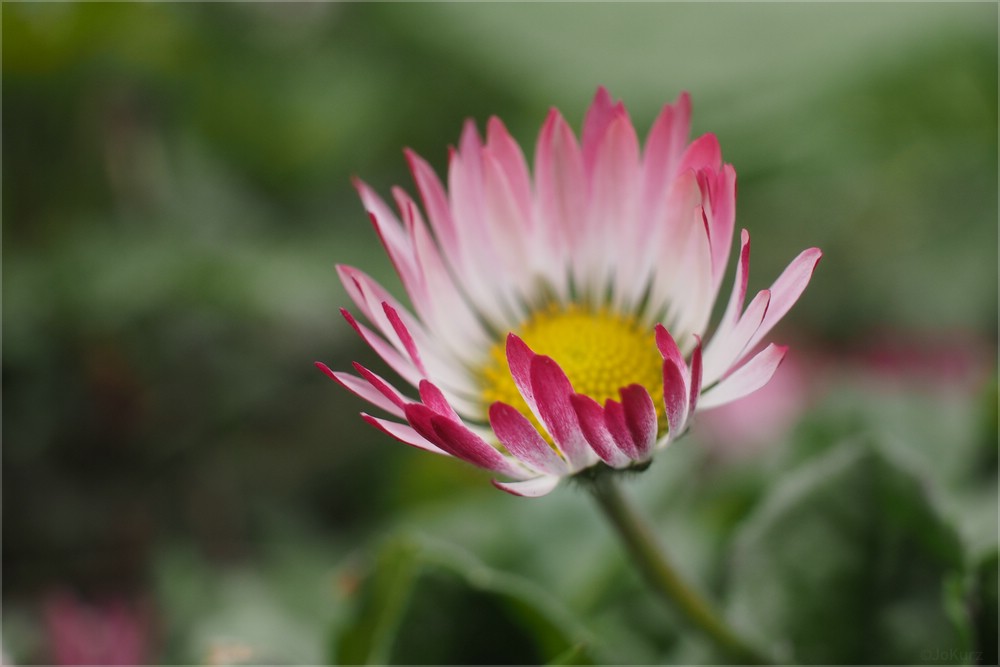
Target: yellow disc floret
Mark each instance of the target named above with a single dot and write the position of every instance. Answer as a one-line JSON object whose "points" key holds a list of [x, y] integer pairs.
{"points": [[600, 352]]}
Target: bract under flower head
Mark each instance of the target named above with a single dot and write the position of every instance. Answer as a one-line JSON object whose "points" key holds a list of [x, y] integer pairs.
{"points": [[558, 314]]}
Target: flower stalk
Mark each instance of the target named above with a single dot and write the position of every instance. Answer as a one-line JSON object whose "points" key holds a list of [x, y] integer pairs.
{"points": [[652, 561]]}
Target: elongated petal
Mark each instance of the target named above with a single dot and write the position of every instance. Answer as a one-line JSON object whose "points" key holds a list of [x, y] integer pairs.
{"points": [[457, 440], [529, 488], [719, 198], [405, 337], [599, 115], [381, 385], [463, 443], [436, 204], [389, 354], [725, 350], [362, 389], [561, 197], [595, 430], [511, 160], [787, 289], [614, 420], [519, 357], [442, 303], [667, 346], [614, 197], [640, 417], [523, 441], [393, 237], [747, 379], [739, 293], [679, 391], [661, 156], [507, 225], [403, 433], [552, 391], [695, 376], [675, 396], [702, 152], [432, 397]]}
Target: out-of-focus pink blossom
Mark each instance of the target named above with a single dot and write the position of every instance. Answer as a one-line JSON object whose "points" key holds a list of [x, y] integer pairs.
{"points": [[111, 632], [745, 427]]}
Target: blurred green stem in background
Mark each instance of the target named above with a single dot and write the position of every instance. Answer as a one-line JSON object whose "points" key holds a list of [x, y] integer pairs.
{"points": [[652, 561]]}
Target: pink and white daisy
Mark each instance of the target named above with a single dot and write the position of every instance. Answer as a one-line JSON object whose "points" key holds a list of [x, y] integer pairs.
{"points": [[558, 315]]}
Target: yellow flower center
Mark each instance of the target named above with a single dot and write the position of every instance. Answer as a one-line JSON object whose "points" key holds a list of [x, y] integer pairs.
{"points": [[600, 352]]}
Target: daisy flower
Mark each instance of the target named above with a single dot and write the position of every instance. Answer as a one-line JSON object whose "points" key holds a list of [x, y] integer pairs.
{"points": [[558, 316]]}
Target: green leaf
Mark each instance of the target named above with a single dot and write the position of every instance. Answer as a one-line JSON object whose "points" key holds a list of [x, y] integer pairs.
{"points": [[431, 603], [369, 637], [848, 562], [984, 610]]}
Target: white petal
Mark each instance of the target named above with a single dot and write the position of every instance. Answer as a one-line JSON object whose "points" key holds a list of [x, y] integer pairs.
{"points": [[529, 488]]}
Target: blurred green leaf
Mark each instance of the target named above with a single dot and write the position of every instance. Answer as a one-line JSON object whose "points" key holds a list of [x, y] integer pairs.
{"points": [[431, 603], [848, 562], [273, 611], [984, 609], [368, 638]]}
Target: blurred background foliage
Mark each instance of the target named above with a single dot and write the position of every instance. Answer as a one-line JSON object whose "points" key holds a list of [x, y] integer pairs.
{"points": [[179, 480]]}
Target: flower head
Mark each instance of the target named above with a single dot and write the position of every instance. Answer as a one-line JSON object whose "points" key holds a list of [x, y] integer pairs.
{"points": [[558, 315]]}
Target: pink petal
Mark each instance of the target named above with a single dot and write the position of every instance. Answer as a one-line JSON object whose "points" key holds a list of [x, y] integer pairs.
{"points": [[702, 152], [465, 177], [612, 229], [369, 296], [436, 204], [519, 358], [561, 193], [724, 351], [494, 295], [390, 232], [739, 293], [457, 440], [693, 298], [436, 355], [667, 346], [419, 417], [432, 397], [787, 289], [599, 115], [747, 379], [404, 336], [530, 488], [661, 155], [640, 417], [403, 433], [523, 441], [695, 378], [362, 390], [508, 226], [614, 420], [552, 390], [442, 304], [511, 159], [464, 444], [675, 396], [383, 387], [384, 350], [591, 416], [677, 385], [678, 246], [719, 195]]}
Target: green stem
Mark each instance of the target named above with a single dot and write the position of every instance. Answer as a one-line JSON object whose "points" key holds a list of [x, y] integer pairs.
{"points": [[650, 558]]}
